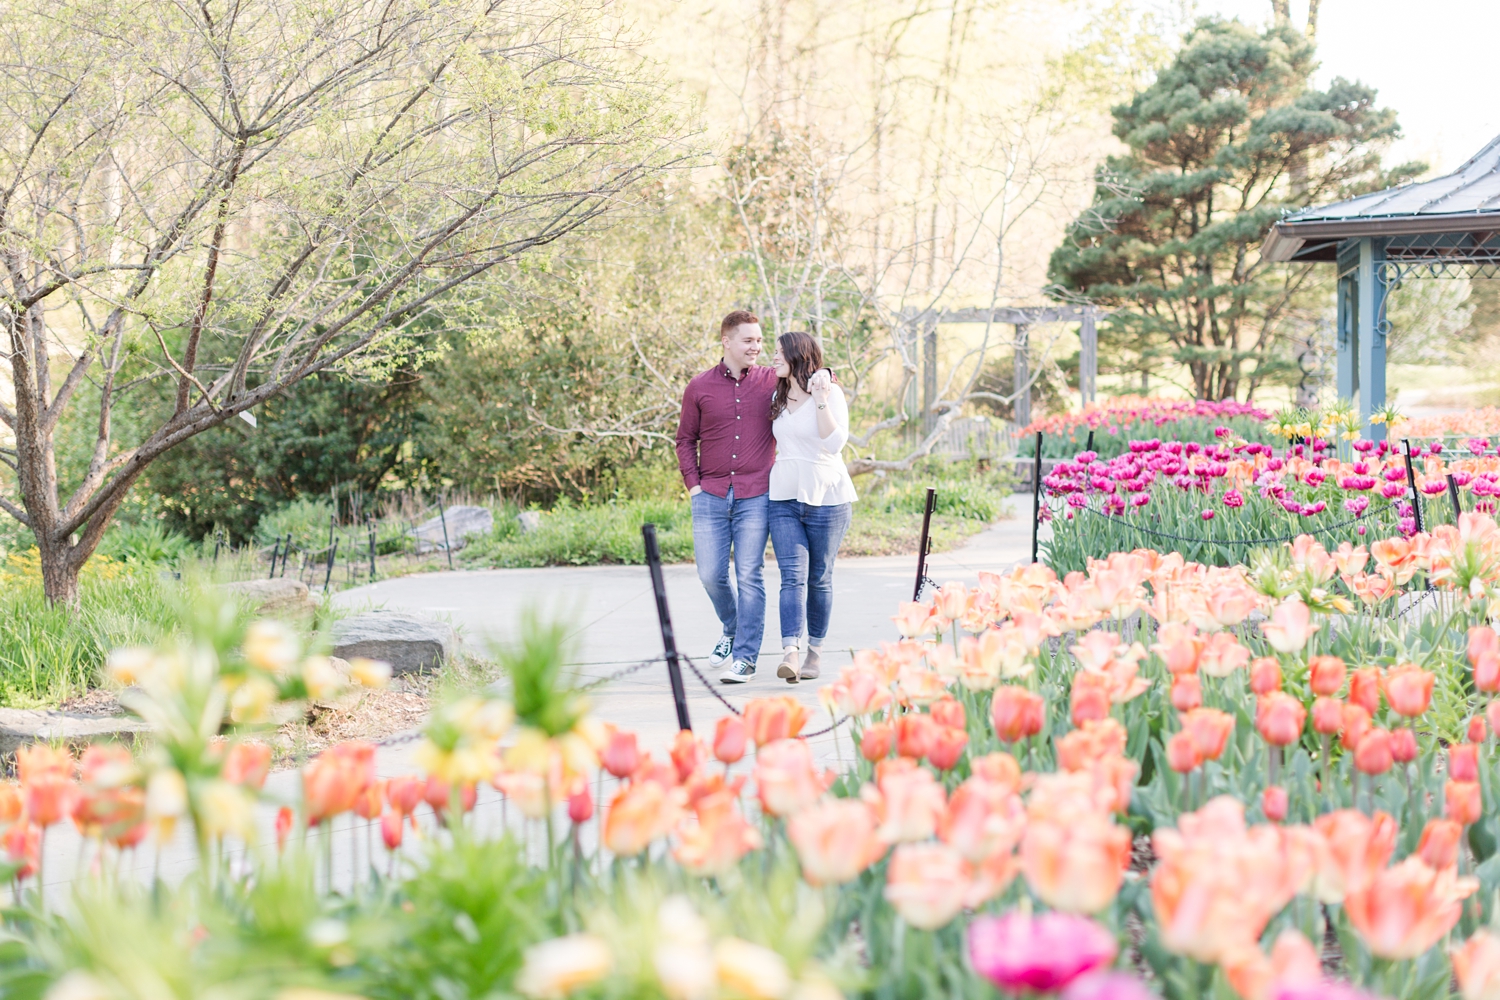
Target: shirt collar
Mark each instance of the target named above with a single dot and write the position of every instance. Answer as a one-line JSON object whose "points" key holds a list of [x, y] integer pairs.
{"points": [[724, 368]]}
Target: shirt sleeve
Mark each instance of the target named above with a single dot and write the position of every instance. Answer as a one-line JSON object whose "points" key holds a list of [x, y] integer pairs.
{"points": [[688, 426], [834, 443]]}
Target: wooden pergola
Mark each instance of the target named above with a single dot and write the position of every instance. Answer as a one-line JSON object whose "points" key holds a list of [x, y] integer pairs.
{"points": [[1446, 227], [1020, 320]]}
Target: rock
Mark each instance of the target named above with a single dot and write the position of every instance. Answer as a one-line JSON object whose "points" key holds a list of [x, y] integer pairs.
{"points": [[274, 596], [20, 726], [529, 520], [463, 523], [407, 642]]}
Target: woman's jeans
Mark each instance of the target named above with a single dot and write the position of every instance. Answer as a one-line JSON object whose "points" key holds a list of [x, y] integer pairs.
{"points": [[806, 540]]}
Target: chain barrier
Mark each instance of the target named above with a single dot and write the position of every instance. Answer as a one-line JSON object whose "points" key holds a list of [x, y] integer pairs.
{"points": [[725, 701]]}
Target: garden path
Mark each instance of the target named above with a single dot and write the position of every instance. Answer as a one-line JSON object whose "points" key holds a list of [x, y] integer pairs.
{"points": [[616, 627]]}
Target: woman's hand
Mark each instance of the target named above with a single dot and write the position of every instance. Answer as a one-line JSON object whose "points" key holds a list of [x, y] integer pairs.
{"points": [[820, 386]]}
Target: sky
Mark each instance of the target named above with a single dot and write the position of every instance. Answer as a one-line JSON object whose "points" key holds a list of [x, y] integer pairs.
{"points": [[1432, 60]]}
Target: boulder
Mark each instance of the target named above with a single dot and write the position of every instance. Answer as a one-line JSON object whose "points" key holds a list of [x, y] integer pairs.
{"points": [[463, 523], [278, 596], [406, 641], [529, 521], [20, 726]]}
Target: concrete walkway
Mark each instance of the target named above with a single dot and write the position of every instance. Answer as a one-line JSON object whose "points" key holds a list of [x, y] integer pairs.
{"points": [[616, 626]]}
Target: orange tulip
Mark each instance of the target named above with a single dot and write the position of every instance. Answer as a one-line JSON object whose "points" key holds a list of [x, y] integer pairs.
{"points": [[581, 804], [983, 819], [835, 840], [1210, 729], [1463, 762], [1094, 741], [1327, 716], [1439, 844], [248, 764], [1325, 675], [639, 813], [720, 838], [860, 690], [1403, 745], [1476, 966], [876, 741], [1274, 803], [780, 717], [1461, 802], [12, 802], [334, 779], [1217, 882], [949, 712], [1187, 692], [23, 845], [1484, 657], [47, 784], [1279, 718], [1478, 731], [907, 801], [391, 830], [404, 793], [1408, 908], [946, 747], [914, 735], [1017, 713], [785, 778], [998, 768], [1373, 755], [621, 756], [439, 794], [914, 619], [1090, 697], [928, 884], [1265, 675], [1356, 724], [1364, 689], [1072, 854], [1179, 646], [1408, 689], [283, 826], [1358, 846], [730, 737], [1222, 655], [1183, 754], [368, 803], [688, 754]]}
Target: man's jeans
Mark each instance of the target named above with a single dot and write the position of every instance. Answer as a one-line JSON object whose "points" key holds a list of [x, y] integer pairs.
{"points": [[806, 540], [718, 524]]}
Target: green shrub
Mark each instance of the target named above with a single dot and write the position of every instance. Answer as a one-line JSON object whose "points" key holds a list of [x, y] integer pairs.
{"points": [[306, 520], [147, 544], [571, 535]]}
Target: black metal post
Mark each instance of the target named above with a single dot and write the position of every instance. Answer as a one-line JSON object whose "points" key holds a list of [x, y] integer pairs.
{"points": [[443, 517], [1458, 509], [1090, 445], [219, 541], [924, 544], [1036, 496], [286, 553], [1411, 482], [372, 550], [333, 553], [668, 637], [276, 551]]}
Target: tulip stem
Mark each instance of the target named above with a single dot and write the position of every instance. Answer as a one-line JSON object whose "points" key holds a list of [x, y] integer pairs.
{"points": [[1323, 760]]}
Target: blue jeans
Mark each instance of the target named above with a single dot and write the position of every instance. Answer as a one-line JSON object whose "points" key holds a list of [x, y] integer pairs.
{"points": [[806, 540], [720, 523]]}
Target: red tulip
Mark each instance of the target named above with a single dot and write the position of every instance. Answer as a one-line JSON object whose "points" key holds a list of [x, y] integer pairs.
{"points": [[946, 747], [914, 735], [1408, 689], [1016, 713], [1364, 689], [1403, 745], [581, 804], [1356, 724], [391, 829], [1325, 675], [283, 826], [1463, 762], [405, 793], [1279, 718], [1373, 755], [621, 755], [1327, 716], [1478, 731], [688, 753], [1461, 802], [1187, 692], [1265, 675], [1439, 844], [949, 712], [1182, 752], [1090, 698]]}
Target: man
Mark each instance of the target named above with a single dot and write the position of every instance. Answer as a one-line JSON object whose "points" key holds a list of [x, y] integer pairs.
{"points": [[725, 450]]}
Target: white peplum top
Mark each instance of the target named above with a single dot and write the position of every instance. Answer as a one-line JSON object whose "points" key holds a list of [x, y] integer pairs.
{"points": [[808, 467]]}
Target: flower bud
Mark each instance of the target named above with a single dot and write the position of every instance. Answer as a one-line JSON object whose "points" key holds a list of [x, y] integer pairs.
{"points": [[1463, 762], [1016, 713], [946, 747], [1403, 745], [730, 737], [1273, 802], [1439, 844], [581, 804], [1478, 731], [1265, 675], [949, 712], [1373, 755], [1279, 718], [1327, 716], [1325, 675], [1182, 752], [1408, 689], [1356, 724]]}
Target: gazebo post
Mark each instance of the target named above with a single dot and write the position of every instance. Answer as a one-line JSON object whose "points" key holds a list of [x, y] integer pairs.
{"points": [[1346, 382], [1088, 357], [1371, 334]]}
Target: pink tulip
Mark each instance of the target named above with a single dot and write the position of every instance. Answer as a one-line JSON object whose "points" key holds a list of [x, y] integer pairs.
{"points": [[1041, 953]]}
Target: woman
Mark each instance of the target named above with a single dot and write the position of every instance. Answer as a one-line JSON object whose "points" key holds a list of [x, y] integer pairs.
{"points": [[811, 494]]}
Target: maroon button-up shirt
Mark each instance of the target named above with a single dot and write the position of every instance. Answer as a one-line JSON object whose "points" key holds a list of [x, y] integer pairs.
{"points": [[724, 437]]}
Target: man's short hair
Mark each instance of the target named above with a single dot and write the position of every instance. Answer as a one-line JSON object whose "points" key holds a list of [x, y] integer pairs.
{"points": [[737, 318]]}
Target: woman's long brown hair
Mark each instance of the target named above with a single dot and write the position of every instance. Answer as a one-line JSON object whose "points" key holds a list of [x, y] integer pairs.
{"points": [[803, 356]]}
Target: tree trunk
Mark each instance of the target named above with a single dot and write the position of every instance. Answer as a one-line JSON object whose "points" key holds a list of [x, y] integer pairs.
{"points": [[59, 574]]}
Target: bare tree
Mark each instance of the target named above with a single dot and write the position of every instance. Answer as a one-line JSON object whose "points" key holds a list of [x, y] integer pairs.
{"points": [[225, 197]]}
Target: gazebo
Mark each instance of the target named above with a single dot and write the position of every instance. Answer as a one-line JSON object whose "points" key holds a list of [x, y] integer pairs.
{"points": [[1444, 227]]}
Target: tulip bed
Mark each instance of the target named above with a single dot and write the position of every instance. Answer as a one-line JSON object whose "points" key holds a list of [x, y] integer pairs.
{"points": [[1153, 777], [1114, 423], [1217, 503]]}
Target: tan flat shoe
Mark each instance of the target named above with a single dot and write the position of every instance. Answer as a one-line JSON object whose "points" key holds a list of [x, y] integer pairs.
{"points": [[810, 670], [787, 669]]}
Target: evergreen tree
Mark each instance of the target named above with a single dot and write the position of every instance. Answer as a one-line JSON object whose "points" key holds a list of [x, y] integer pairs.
{"points": [[1228, 137]]}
